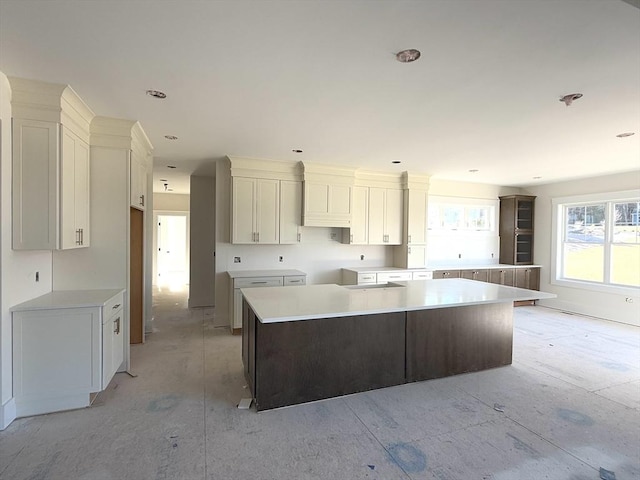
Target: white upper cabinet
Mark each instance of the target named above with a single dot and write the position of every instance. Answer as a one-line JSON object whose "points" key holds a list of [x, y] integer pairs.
{"points": [[290, 211], [385, 216], [255, 210], [416, 214], [51, 162], [138, 178], [328, 196], [358, 234], [74, 192]]}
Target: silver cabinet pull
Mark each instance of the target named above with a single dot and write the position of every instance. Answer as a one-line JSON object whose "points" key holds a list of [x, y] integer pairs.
{"points": [[142, 200], [116, 326], [117, 305], [409, 239], [78, 241], [351, 238], [258, 283], [299, 236]]}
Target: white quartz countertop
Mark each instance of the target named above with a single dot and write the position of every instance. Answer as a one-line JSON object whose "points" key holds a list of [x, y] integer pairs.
{"points": [[278, 304], [68, 299], [432, 268], [264, 273]]}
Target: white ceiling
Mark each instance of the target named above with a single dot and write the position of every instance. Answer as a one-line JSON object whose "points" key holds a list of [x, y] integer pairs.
{"points": [[260, 78]]}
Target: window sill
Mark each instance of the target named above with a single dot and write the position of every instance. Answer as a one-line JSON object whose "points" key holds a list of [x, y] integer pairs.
{"points": [[597, 287]]}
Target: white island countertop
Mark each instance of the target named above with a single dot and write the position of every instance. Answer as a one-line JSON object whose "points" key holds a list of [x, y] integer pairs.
{"points": [[277, 304], [68, 299]]}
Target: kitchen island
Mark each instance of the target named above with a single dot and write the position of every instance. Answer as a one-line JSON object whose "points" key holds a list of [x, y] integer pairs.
{"points": [[320, 341]]}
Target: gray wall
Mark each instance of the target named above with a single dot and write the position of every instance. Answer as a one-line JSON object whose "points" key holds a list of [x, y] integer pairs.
{"points": [[202, 242]]}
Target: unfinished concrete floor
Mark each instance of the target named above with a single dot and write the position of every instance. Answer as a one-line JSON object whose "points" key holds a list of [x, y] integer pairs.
{"points": [[568, 405]]}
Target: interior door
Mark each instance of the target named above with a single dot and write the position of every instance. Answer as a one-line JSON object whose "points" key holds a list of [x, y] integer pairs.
{"points": [[172, 250], [136, 274]]}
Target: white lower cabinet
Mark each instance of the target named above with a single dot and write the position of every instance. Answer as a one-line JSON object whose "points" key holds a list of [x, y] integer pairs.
{"points": [[255, 279], [66, 346]]}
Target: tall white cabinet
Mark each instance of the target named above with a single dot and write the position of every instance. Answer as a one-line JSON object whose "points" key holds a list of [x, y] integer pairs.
{"points": [[106, 264], [51, 167], [413, 251]]}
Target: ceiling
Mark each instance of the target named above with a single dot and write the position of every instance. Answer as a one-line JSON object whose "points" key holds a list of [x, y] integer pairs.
{"points": [[262, 78]]}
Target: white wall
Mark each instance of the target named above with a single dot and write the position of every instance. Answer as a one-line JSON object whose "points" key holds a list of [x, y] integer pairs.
{"points": [[171, 202], [202, 242], [603, 305], [18, 268], [319, 255]]}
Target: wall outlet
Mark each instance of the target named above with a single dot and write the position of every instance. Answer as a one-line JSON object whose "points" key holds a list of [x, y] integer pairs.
{"points": [[236, 259], [281, 258], [37, 276], [492, 255], [361, 257], [459, 255]]}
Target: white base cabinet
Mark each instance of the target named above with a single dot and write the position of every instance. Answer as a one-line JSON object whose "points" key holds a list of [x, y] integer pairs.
{"points": [[66, 346], [255, 279]]}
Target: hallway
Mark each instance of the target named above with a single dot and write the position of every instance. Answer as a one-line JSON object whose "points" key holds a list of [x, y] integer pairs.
{"points": [[568, 405]]}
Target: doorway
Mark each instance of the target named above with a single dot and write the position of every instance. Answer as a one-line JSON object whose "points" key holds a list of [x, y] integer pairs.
{"points": [[171, 250]]}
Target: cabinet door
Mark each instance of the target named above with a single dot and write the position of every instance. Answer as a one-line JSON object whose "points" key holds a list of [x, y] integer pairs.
{"points": [[267, 211], [416, 256], [376, 216], [393, 216], [290, 211], [35, 185], [138, 182], [479, 275], [501, 276], [527, 278], [107, 353], [74, 192], [243, 210], [358, 233], [417, 217], [446, 274]]}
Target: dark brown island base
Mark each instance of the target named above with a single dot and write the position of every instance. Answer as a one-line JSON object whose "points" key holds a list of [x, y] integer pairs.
{"points": [[287, 362]]}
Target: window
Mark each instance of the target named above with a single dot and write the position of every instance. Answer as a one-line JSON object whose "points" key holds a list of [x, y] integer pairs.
{"points": [[599, 241], [454, 214]]}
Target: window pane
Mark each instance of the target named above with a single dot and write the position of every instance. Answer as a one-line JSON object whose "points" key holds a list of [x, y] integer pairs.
{"points": [[585, 224], [478, 218], [625, 265], [584, 261], [452, 216], [626, 228]]}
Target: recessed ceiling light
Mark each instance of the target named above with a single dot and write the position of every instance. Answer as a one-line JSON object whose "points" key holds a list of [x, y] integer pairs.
{"points": [[296, 150], [408, 56], [170, 137], [171, 166], [156, 94], [625, 134], [396, 161], [568, 99], [474, 170]]}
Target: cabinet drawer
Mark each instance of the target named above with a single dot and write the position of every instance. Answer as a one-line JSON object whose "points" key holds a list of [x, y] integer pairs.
{"points": [[295, 280], [366, 278], [422, 275], [257, 282], [394, 276], [114, 304]]}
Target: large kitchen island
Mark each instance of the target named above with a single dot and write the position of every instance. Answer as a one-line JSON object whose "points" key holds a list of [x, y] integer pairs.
{"points": [[320, 341]]}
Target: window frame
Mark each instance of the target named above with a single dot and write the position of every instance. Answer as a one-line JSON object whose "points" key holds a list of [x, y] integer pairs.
{"points": [[465, 205], [559, 208]]}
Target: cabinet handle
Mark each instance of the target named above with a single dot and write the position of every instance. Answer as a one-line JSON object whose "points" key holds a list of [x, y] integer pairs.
{"points": [[258, 237], [294, 281], [299, 235], [257, 283], [82, 236], [253, 236], [409, 250], [116, 328], [142, 200], [78, 237], [409, 239], [351, 238], [117, 305]]}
